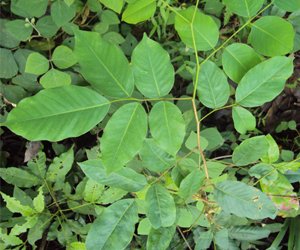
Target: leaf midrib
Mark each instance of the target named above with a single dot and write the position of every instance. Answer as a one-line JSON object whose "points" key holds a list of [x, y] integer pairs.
{"points": [[57, 114]]}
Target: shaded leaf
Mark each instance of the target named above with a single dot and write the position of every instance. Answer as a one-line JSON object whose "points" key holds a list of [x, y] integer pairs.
{"points": [[114, 228], [160, 207], [250, 150], [103, 65], [125, 178]]}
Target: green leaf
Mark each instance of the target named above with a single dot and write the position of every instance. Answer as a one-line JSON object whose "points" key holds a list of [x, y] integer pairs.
{"points": [[16, 207], [244, 201], [115, 5], [191, 184], [238, 59], [103, 65], [71, 110], [290, 6], [264, 82], [204, 239], [76, 246], [60, 166], [202, 28], [272, 36], [273, 151], [160, 207], [19, 29], [167, 126], [92, 191], [144, 227], [243, 120], [29, 8], [114, 228], [63, 57], [192, 142], [250, 150], [160, 238], [46, 26], [19, 177], [9, 240], [36, 64], [39, 202], [6, 39], [282, 194], [244, 8], [55, 78], [214, 138], [248, 233], [139, 11], [19, 229], [123, 136], [10, 67], [215, 168], [152, 69], [213, 88], [125, 178], [266, 173], [61, 13], [154, 158]]}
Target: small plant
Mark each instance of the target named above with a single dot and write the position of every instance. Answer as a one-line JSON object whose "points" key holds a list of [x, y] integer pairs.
{"points": [[162, 173]]}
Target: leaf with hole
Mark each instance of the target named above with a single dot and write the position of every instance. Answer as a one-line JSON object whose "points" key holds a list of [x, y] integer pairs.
{"points": [[244, 201]]}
